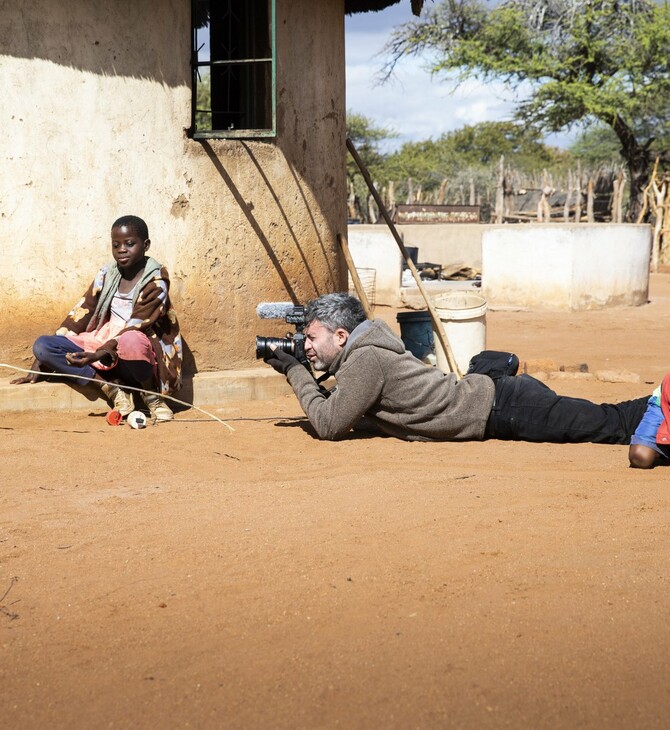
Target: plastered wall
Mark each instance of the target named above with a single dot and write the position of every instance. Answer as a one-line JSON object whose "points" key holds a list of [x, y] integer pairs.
{"points": [[96, 104], [566, 266], [535, 266], [373, 248]]}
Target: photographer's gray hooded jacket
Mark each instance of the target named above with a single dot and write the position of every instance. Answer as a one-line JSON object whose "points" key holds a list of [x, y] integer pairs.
{"points": [[403, 397]]}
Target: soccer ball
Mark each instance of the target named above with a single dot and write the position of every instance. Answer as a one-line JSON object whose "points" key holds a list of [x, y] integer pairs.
{"points": [[137, 419]]}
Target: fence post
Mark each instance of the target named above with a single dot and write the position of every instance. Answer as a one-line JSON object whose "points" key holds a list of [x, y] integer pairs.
{"points": [[578, 194], [500, 191], [589, 201]]}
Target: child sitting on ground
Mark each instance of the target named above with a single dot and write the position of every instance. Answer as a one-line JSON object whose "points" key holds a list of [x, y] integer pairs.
{"points": [[650, 444], [123, 331]]}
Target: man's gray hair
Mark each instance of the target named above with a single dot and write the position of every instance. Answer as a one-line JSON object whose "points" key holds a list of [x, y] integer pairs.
{"points": [[335, 311]]}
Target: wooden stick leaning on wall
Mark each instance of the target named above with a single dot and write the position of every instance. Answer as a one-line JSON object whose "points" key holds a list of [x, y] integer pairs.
{"points": [[437, 323], [358, 285]]}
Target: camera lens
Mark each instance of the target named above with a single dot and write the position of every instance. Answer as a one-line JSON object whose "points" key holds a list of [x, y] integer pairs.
{"points": [[263, 345]]}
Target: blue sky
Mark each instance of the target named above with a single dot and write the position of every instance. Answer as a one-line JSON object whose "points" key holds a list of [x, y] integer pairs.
{"points": [[416, 105]]}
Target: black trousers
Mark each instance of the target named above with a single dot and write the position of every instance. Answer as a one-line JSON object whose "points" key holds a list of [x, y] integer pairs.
{"points": [[525, 409]]}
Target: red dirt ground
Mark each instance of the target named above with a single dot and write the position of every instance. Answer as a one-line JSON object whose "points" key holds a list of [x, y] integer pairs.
{"points": [[185, 576]]}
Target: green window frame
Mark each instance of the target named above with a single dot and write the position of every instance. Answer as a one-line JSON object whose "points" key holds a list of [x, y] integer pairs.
{"points": [[234, 61]]}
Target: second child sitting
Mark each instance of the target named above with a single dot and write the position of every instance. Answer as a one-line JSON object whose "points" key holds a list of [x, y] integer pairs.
{"points": [[123, 331]]}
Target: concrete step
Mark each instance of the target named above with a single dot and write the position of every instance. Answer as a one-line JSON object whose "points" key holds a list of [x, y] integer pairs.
{"points": [[204, 389]]}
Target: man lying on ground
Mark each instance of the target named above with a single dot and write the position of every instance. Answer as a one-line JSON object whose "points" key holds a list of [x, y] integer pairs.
{"points": [[377, 380]]}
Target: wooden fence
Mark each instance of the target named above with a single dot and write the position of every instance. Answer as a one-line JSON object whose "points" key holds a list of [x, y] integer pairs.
{"points": [[657, 202], [591, 197]]}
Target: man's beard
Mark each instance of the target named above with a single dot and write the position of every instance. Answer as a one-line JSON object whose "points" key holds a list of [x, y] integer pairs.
{"points": [[320, 365]]}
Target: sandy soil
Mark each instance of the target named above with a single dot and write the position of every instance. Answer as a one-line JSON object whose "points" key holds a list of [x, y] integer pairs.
{"points": [[186, 576]]}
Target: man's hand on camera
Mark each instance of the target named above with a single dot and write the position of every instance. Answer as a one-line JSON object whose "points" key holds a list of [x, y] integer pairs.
{"points": [[281, 361]]}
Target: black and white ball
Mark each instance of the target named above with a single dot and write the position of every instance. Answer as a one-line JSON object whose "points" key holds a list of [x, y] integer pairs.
{"points": [[137, 419]]}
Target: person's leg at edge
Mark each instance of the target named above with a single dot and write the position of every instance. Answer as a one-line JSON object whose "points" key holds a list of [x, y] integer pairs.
{"points": [[644, 452], [642, 457]]}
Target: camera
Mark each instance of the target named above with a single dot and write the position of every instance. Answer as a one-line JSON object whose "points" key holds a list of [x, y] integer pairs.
{"points": [[293, 343]]}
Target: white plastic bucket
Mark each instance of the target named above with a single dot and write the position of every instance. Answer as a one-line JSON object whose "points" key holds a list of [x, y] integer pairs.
{"points": [[463, 318]]}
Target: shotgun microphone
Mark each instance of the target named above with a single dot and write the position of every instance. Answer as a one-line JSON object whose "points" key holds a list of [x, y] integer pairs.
{"points": [[274, 310]]}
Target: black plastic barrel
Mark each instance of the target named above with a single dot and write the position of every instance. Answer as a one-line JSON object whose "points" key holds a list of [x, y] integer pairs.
{"points": [[413, 253], [416, 331]]}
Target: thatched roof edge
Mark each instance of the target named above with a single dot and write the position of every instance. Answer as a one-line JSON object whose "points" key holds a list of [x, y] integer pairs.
{"points": [[364, 6]]}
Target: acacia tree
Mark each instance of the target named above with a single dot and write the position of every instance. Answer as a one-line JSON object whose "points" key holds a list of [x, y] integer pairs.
{"points": [[367, 137], [472, 153], [597, 146], [580, 60]]}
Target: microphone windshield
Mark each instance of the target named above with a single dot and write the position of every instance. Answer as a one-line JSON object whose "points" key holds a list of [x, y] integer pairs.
{"points": [[274, 310]]}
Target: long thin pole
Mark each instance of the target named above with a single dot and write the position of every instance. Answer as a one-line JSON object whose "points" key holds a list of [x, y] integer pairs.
{"points": [[358, 284], [437, 323]]}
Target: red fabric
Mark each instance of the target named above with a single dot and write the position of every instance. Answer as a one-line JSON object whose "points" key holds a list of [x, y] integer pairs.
{"points": [[135, 345], [663, 433]]}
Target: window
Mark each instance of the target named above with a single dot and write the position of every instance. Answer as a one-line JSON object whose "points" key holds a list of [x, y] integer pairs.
{"points": [[233, 59]]}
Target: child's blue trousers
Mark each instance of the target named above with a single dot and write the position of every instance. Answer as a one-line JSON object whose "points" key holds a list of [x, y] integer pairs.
{"points": [[51, 350]]}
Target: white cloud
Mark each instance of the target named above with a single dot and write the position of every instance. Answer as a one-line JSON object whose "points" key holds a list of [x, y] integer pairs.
{"points": [[414, 103]]}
